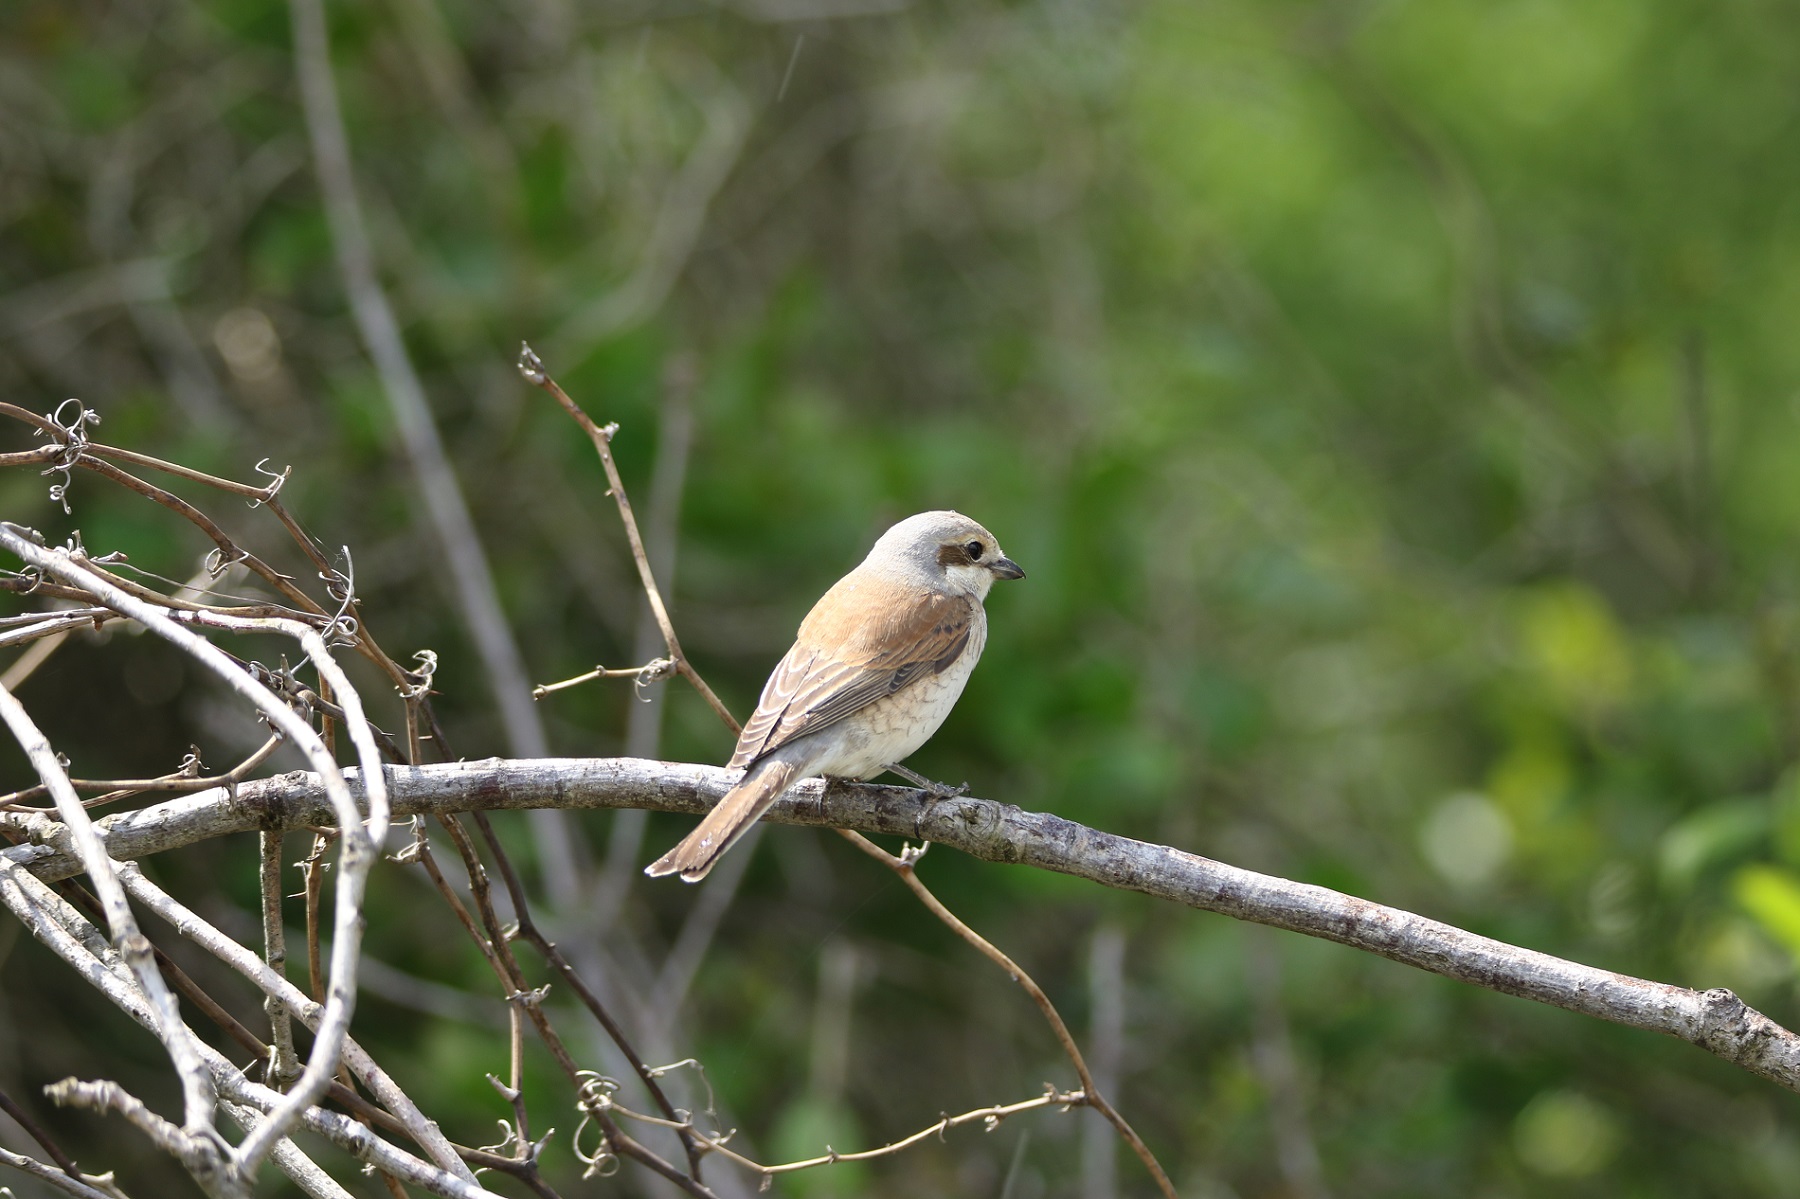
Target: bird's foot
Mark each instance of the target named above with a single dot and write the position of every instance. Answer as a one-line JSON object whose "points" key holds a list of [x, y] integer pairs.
{"points": [[935, 794], [936, 790]]}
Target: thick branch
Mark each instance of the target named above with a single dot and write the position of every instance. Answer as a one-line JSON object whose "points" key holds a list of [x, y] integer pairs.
{"points": [[1716, 1020]]}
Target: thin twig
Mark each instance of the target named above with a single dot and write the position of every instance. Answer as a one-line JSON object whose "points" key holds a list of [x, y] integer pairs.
{"points": [[184, 985], [283, 1066], [620, 869], [649, 672], [532, 368], [263, 496], [80, 1186], [36, 1132], [35, 626], [528, 931], [106, 1096], [176, 781], [88, 904], [512, 977], [27, 663], [312, 875], [305, 1172], [990, 1117], [903, 866], [554, 957]]}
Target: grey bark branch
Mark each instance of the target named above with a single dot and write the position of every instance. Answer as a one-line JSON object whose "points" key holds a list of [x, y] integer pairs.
{"points": [[51, 1176], [296, 1165], [1715, 1020]]}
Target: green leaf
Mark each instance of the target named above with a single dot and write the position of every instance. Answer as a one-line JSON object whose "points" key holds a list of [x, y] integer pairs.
{"points": [[1712, 835], [1772, 896]]}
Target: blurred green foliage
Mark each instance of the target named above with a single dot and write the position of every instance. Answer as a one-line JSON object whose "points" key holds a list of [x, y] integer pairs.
{"points": [[1392, 403]]}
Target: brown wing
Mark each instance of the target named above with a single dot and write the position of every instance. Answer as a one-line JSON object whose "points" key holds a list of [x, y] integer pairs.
{"points": [[843, 660]]}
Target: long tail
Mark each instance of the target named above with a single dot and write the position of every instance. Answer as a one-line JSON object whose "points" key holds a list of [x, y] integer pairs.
{"points": [[760, 787]]}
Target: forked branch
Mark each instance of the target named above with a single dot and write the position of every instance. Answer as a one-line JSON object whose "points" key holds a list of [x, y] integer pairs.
{"points": [[532, 367]]}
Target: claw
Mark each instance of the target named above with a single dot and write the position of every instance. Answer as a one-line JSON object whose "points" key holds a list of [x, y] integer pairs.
{"points": [[935, 793]]}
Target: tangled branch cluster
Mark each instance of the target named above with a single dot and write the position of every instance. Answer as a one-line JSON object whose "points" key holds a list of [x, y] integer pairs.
{"points": [[270, 1092]]}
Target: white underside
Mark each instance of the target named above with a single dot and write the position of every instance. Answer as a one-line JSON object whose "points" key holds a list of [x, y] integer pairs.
{"points": [[892, 728]]}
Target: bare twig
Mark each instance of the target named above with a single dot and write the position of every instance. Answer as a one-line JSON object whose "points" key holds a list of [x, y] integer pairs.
{"points": [[34, 626], [106, 1096], [180, 780], [296, 1165], [526, 930], [902, 865], [533, 369], [283, 1067], [619, 871], [67, 934], [989, 1117], [36, 1132], [312, 875], [27, 663], [649, 672], [357, 1139], [84, 900], [65, 1181]]}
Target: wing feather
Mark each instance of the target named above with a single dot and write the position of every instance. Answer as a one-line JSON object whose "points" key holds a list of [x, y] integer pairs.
{"points": [[844, 661]]}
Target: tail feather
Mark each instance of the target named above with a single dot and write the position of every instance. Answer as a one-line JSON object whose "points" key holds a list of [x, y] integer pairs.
{"points": [[730, 819]]}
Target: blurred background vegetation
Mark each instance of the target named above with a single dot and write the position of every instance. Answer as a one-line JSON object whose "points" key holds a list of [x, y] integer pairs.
{"points": [[1393, 403]]}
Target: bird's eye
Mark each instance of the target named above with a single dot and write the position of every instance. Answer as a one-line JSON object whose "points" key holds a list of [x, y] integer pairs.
{"points": [[974, 551]]}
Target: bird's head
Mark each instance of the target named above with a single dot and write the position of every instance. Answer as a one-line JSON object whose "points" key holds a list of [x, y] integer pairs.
{"points": [[950, 549]]}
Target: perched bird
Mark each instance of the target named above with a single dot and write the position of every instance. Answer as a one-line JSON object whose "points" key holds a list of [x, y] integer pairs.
{"points": [[878, 663]]}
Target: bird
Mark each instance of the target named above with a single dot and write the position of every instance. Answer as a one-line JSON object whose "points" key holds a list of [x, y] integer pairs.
{"points": [[875, 668]]}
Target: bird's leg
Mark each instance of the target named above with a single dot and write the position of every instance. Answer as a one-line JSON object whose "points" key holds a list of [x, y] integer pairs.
{"points": [[937, 790], [831, 780], [935, 793]]}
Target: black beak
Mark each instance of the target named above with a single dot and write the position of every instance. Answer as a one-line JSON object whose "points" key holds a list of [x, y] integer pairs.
{"points": [[1006, 568]]}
